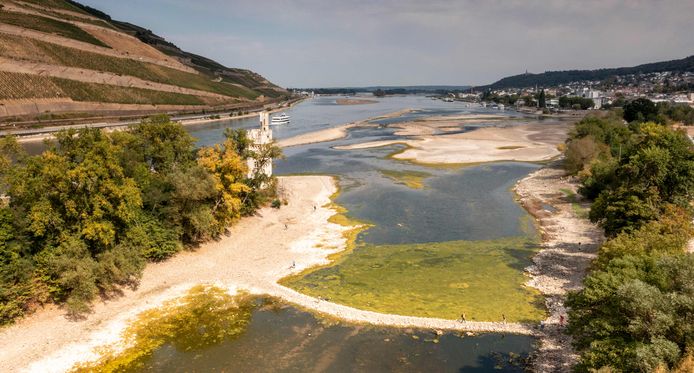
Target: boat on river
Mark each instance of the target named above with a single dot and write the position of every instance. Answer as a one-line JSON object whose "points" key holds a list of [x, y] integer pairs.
{"points": [[280, 119]]}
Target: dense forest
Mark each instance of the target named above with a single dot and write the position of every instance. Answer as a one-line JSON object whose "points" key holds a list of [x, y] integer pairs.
{"points": [[82, 219], [554, 78], [636, 313]]}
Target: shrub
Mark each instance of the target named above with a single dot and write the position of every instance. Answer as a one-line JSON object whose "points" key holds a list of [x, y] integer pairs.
{"points": [[640, 110], [581, 152], [635, 314], [666, 236]]}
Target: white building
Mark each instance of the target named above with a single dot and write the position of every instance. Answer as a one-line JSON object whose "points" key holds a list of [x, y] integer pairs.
{"points": [[258, 137]]}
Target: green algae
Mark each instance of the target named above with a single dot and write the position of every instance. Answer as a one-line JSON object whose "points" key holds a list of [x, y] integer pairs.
{"points": [[483, 279], [409, 178], [204, 317]]}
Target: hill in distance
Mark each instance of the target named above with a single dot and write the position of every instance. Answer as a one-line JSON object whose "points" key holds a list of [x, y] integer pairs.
{"points": [[61, 59], [554, 78]]}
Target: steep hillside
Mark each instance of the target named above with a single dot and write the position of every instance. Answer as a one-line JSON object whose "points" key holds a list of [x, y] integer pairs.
{"points": [[60, 58], [553, 78]]}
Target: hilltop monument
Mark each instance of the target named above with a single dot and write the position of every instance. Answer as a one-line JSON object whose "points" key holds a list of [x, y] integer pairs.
{"points": [[259, 137]]}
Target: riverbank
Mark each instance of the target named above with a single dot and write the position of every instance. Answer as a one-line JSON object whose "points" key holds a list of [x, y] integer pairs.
{"points": [[257, 252], [40, 134], [570, 243]]}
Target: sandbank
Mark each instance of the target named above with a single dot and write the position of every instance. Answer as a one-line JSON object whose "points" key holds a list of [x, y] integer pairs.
{"points": [[334, 133], [526, 143], [354, 101]]}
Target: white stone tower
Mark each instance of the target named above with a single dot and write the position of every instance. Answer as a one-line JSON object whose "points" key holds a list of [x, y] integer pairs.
{"points": [[259, 137]]}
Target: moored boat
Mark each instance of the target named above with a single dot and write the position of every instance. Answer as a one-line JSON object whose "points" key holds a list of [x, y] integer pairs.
{"points": [[280, 119]]}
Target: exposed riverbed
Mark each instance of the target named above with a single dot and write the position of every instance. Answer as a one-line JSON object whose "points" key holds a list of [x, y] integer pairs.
{"points": [[441, 242]]}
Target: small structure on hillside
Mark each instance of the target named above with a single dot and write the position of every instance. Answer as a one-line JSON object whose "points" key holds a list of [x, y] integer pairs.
{"points": [[259, 137]]}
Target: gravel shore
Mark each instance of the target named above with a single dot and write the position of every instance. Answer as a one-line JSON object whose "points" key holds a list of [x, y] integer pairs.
{"points": [[570, 243]]}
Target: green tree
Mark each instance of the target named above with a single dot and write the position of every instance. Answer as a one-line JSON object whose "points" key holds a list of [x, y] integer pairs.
{"points": [[657, 170], [640, 110], [15, 270], [76, 201], [541, 99], [668, 235], [635, 314], [582, 152], [228, 172]]}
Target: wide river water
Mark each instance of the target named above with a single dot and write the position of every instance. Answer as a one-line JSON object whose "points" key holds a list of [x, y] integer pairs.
{"points": [[454, 204], [442, 241]]}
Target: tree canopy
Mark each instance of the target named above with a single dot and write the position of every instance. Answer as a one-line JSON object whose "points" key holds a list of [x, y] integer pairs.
{"points": [[636, 310], [86, 214]]}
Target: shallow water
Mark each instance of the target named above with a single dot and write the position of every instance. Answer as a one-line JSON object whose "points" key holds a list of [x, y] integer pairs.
{"points": [[442, 240], [437, 235], [285, 339]]}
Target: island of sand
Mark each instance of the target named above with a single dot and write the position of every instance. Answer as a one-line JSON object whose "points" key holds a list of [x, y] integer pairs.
{"points": [[354, 101], [458, 141]]}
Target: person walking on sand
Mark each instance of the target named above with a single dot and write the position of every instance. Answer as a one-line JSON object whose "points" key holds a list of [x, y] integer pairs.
{"points": [[462, 317], [503, 317]]}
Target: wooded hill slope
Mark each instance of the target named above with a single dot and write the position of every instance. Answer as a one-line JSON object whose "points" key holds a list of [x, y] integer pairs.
{"points": [[60, 59], [553, 78]]}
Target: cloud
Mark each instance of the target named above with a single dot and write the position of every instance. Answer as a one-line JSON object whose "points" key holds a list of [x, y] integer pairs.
{"points": [[363, 42]]}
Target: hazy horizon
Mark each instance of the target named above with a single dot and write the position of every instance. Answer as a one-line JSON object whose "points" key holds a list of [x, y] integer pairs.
{"points": [[309, 43]]}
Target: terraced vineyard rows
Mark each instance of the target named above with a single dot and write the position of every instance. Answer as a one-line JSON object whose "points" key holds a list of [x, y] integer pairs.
{"points": [[50, 26], [40, 51], [69, 17], [80, 91], [60, 4], [22, 86]]}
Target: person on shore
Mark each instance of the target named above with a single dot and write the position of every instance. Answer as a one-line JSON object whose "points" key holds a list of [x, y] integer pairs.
{"points": [[561, 320], [503, 317], [462, 317]]}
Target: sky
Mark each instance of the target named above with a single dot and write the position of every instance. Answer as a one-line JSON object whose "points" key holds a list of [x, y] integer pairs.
{"points": [[338, 43]]}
